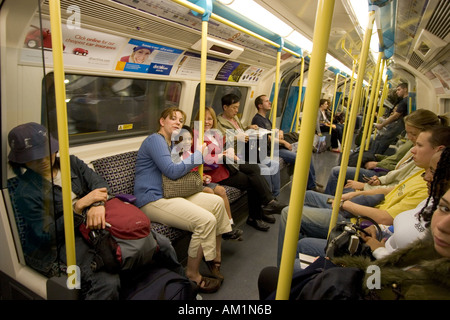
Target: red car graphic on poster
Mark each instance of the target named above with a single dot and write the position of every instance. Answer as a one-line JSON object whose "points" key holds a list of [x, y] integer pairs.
{"points": [[33, 38], [80, 51]]}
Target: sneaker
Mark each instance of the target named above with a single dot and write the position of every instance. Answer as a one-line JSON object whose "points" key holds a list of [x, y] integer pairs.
{"points": [[233, 235]]}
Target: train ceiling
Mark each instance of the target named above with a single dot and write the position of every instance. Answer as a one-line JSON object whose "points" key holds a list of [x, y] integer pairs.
{"points": [[178, 27], [430, 15]]}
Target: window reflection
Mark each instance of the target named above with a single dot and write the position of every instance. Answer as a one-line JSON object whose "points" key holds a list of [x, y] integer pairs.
{"points": [[105, 108]]}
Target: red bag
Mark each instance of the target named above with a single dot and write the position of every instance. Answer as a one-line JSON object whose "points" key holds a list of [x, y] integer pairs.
{"points": [[133, 245]]}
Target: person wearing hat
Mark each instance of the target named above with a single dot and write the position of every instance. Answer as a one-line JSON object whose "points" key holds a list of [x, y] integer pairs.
{"points": [[38, 199], [139, 55]]}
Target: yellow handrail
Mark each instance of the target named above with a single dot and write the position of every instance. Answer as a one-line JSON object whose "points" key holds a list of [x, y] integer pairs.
{"points": [[229, 23], [317, 64], [63, 138], [355, 103]]}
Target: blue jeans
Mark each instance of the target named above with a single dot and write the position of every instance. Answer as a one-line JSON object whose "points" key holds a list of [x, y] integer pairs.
{"points": [[270, 170], [290, 156], [350, 175], [316, 218], [312, 246]]}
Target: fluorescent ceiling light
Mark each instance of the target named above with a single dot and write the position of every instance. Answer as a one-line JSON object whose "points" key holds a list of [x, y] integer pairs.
{"points": [[301, 41], [337, 64], [258, 14], [361, 10]]}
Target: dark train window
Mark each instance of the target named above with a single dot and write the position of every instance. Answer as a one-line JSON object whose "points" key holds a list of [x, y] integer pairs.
{"points": [[107, 108], [214, 94]]}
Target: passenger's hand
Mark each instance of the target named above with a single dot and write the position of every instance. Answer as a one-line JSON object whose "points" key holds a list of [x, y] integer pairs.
{"points": [[287, 145], [242, 136], [230, 154], [352, 184], [95, 218], [349, 195], [370, 165], [372, 242], [374, 181], [100, 194], [253, 126], [371, 230]]}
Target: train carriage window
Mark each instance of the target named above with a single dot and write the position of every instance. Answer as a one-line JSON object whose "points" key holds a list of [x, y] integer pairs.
{"points": [[108, 108], [214, 94]]}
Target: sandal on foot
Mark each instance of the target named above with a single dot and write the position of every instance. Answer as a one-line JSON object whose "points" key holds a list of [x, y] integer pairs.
{"points": [[214, 268], [210, 285]]}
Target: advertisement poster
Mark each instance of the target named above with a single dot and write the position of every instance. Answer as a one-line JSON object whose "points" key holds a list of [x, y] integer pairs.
{"points": [[251, 75], [441, 81], [232, 71], [189, 66], [82, 47], [146, 57]]}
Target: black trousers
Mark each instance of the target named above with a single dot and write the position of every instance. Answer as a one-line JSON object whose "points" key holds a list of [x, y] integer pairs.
{"points": [[249, 178]]}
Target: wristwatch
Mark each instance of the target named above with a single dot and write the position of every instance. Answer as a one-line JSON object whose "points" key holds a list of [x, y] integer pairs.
{"points": [[98, 203]]}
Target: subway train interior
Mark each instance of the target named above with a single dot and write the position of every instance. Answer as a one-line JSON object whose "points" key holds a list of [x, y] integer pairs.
{"points": [[73, 66]]}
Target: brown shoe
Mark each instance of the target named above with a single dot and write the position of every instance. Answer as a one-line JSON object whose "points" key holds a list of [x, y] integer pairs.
{"points": [[208, 285], [214, 268]]}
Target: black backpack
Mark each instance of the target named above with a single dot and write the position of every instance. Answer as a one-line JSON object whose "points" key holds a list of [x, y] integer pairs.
{"points": [[157, 283]]}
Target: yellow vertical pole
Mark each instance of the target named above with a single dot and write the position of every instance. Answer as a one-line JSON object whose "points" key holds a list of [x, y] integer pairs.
{"points": [[333, 102], [383, 97], [61, 114], [410, 105], [312, 95], [275, 101], [369, 117], [350, 99], [202, 105], [343, 94], [375, 103], [355, 103], [375, 93], [299, 100]]}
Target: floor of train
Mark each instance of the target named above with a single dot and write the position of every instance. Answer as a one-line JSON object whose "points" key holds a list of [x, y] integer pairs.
{"points": [[242, 261]]}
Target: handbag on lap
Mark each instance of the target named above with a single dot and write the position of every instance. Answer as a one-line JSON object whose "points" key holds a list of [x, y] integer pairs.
{"points": [[183, 187]]}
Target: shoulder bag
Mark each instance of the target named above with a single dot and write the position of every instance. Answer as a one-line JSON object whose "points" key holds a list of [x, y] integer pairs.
{"points": [[183, 187], [344, 239]]}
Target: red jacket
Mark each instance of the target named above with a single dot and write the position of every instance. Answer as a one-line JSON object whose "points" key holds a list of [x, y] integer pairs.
{"points": [[217, 171]]}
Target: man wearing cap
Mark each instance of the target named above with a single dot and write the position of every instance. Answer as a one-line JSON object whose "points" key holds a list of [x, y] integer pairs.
{"points": [[38, 199]]}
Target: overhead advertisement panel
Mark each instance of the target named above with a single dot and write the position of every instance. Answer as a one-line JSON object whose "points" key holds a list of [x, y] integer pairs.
{"points": [[88, 49], [83, 48], [146, 57]]}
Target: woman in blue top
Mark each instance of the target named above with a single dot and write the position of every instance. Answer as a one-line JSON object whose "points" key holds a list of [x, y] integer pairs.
{"points": [[202, 214]]}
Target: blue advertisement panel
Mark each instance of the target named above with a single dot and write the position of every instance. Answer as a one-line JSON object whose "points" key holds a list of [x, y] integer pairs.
{"points": [[146, 57]]}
